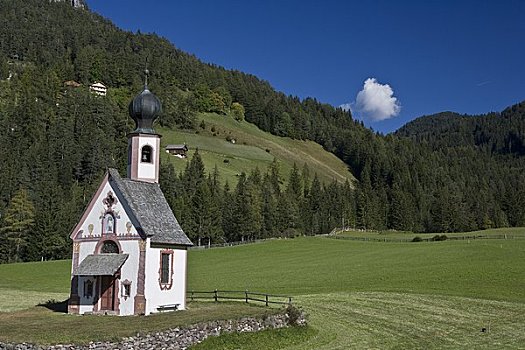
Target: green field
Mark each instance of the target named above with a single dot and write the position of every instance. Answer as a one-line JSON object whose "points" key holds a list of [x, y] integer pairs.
{"points": [[253, 148], [358, 294]]}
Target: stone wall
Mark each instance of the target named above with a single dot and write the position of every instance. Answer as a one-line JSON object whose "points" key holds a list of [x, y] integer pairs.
{"points": [[176, 338]]}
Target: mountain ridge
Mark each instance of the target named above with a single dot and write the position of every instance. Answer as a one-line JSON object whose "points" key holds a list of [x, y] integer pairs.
{"points": [[496, 132]]}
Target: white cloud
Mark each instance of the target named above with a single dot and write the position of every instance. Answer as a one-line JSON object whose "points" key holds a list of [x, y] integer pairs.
{"points": [[376, 101]]}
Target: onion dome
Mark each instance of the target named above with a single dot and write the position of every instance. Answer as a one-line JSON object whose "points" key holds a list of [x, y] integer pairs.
{"points": [[144, 110]]}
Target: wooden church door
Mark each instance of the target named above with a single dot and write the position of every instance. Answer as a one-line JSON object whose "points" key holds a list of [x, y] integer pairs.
{"points": [[107, 293]]}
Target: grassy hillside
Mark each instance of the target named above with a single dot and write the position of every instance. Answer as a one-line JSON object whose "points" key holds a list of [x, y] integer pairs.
{"points": [[358, 294], [252, 148]]}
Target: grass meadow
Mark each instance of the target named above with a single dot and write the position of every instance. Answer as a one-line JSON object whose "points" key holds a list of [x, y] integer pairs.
{"points": [[383, 295]]}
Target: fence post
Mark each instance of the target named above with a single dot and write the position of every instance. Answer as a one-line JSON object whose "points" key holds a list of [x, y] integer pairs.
{"points": [[266, 299], [246, 295], [290, 300], [215, 295], [191, 297]]}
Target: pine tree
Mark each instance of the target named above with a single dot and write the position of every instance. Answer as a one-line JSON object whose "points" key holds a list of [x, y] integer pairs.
{"points": [[215, 231], [18, 224], [247, 216], [364, 201], [228, 214], [294, 194], [313, 219], [275, 177], [305, 179], [268, 210], [401, 210], [348, 205], [200, 222], [295, 184], [194, 174]]}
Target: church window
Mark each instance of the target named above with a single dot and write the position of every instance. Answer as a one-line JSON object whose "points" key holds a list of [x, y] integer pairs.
{"points": [[146, 154], [166, 269], [109, 247], [126, 289], [109, 224], [88, 289]]}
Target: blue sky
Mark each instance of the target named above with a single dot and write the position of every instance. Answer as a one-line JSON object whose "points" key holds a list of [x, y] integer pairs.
{"points": [[462, 56]]}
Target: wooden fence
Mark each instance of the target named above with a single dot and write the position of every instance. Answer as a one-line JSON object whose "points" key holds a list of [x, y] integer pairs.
{"points": [[424, 239], [229, 244], [240, 295]]}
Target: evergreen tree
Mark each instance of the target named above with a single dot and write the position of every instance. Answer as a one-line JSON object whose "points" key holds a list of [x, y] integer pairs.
{"points": [[200, 218], [314, 218], [247, 209], [275, 177], [215, 231], [194, 174], [229, 225], [19, 221], [401, 210], [268, 209], [294, 194], [348, 205]]}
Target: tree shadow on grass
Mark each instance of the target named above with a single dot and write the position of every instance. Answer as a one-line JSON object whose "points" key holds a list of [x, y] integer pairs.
{"points": [[55, 305]]}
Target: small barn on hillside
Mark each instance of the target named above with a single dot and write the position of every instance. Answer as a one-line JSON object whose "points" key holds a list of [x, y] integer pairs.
{"points": [[129, 251], [177, 150]]}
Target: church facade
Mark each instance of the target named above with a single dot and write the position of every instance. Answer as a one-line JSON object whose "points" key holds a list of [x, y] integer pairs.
{"points": [[129, 251]]}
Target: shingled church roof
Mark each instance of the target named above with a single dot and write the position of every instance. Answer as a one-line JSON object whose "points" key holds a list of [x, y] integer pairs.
{"points": [[100, 265], [149, 207]]}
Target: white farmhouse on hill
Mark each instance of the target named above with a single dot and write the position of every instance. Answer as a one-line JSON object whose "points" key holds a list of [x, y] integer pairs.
{"points": [[129, 251], [98, 89]]}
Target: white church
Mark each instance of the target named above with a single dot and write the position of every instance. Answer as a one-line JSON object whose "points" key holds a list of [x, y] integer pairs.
{"points": [[129, 251]]}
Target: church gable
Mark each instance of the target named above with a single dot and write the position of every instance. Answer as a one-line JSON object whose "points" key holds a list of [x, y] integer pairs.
{"points": [[106, 216]]}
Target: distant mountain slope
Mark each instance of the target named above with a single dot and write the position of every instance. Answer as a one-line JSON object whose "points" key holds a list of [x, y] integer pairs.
{"points": [[252, 147], [495, 133]]}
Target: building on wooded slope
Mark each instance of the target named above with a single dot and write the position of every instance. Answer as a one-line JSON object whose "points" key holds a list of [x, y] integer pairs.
{"points": [[98, 89], [129, 251], [75, 3]]}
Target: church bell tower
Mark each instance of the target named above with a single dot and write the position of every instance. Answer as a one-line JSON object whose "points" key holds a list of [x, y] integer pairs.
{"points": [[144, 142]]}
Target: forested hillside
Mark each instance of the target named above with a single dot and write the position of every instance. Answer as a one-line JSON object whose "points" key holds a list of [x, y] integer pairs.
{"points": [[495, 133], [57, 142]]}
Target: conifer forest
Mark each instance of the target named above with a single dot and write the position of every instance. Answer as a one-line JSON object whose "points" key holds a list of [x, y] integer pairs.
{"points": [[440, 173]]}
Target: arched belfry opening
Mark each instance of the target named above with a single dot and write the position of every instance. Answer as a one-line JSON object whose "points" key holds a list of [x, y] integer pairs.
{"points": [[146, 154]]}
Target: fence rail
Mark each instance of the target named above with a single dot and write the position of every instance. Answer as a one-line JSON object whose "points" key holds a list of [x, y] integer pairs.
{"points": [[424, 239], [229, 244], [243, 295]]}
